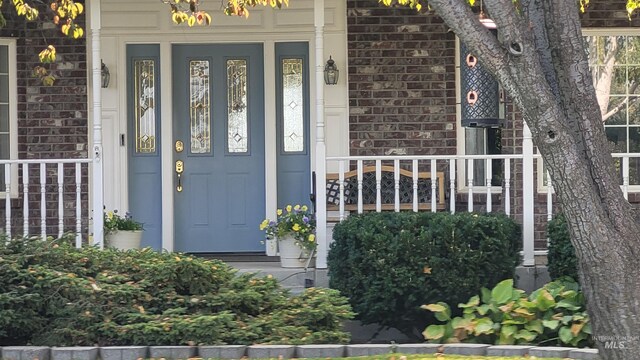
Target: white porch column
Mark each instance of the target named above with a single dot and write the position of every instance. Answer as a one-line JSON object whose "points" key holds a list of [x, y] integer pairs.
{"points": [[321, 151], [97, 189], [528, 218]]}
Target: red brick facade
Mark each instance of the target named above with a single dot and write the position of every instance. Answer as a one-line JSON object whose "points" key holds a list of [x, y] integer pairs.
{"points": [[52, 120]]}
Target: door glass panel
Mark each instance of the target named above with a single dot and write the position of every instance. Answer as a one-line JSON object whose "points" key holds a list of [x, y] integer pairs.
{"points": [[199, 107], [293, 105], [237, 119], [145, 95]]}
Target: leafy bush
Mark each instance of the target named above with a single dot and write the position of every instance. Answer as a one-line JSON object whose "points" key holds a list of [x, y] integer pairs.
{"points": [[553, 314], [561, 259], [54, 294], [388, 264]]}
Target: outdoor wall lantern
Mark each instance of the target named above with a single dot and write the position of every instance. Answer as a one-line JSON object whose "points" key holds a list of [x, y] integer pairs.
{"points": [[480, 103], [106, 76], [331, 72]]}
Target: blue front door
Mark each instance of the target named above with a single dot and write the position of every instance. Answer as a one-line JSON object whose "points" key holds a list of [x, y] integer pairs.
{"points": [[218, 147]]}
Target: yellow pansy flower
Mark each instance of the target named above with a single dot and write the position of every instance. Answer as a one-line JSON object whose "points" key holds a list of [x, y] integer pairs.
{"points": [[296, 208], [312, 238], [279, 212], [110, 215], [295, 227], [288, 208], [264, 224], [304, 208]]}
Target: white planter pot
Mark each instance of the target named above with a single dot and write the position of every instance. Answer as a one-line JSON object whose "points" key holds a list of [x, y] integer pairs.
{"points": [[291, 255], [124, 239]]}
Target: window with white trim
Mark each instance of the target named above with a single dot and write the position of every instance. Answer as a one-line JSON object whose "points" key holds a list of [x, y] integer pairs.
{"points": [[8, 109], [614, 60]]}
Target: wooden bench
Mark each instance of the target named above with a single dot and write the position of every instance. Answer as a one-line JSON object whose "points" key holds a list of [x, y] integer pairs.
{"points": [[387, 190]]}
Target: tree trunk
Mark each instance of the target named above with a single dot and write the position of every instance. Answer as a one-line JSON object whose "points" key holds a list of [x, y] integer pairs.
{"points": [[539, 58]]}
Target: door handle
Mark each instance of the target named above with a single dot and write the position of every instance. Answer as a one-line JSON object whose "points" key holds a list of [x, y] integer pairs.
{"points": [[179, 171]]}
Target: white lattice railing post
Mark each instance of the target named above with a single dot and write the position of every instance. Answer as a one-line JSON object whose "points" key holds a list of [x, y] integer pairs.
{"points": [[528, 215]]}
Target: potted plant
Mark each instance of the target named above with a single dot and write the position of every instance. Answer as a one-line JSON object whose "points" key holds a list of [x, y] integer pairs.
{"points": [[294, 230], [122, 232]]}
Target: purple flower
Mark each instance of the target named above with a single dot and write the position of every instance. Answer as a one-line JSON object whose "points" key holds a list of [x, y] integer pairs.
{"points": [[305, 219], [272, 223]]}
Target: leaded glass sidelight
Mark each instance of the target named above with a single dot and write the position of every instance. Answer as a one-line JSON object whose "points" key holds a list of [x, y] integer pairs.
{"points": [[199, 106], [237, 117], [292, 105], [145, 105]]}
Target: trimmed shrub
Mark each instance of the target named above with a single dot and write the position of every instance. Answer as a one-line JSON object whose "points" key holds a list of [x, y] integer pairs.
{"points": [[553, 315], [561, 258], [388, 264], [54, 294]]}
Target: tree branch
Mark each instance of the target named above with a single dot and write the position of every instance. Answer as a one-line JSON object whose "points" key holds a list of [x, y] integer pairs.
{"points": [[628, 99], [537, 23]]}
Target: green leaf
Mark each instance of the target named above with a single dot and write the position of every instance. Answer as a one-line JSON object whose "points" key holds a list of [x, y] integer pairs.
{"points": [[565, 334], [441, 310], [460, 323], [518, 321], [483, 309], [525, 335], [569, 295], [551, 324], [544, 300], [434, 332], [501, 294], [484, 326], [486, 295], [474, 301], [508, 330], [568, 304], [535, 326], [433, 307]]}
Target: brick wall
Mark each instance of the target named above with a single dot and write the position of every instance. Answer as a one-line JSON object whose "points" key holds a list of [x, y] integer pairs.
{"points": [[401, 81], [402, 89], [52, 120]]}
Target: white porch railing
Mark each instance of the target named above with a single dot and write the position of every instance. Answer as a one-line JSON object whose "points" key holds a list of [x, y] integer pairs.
{"points": [[44, 197], [510, 190]]}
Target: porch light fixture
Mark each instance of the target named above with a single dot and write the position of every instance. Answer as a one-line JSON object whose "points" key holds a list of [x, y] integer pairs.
{"points": [[331, 72], [106, 76]]}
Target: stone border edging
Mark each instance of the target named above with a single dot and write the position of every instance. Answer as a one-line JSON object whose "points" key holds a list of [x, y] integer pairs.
{"points": [[282, 351]]}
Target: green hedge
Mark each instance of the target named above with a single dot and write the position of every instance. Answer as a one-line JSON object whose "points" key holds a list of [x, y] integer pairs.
{"points": [[53, 294], [388, 264], [561, 258]]}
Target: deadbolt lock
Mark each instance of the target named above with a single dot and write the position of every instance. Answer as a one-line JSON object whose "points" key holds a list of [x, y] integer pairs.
{"points": [[179, 146]]}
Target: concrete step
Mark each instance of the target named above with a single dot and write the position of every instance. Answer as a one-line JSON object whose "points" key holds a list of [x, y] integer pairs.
{"points": [[290, 278]]}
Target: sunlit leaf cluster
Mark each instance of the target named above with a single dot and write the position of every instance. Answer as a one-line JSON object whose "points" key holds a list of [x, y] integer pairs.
{"points": [[241, 7], [25, 10], [187, 12], [65, 13], [414, 4]]}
